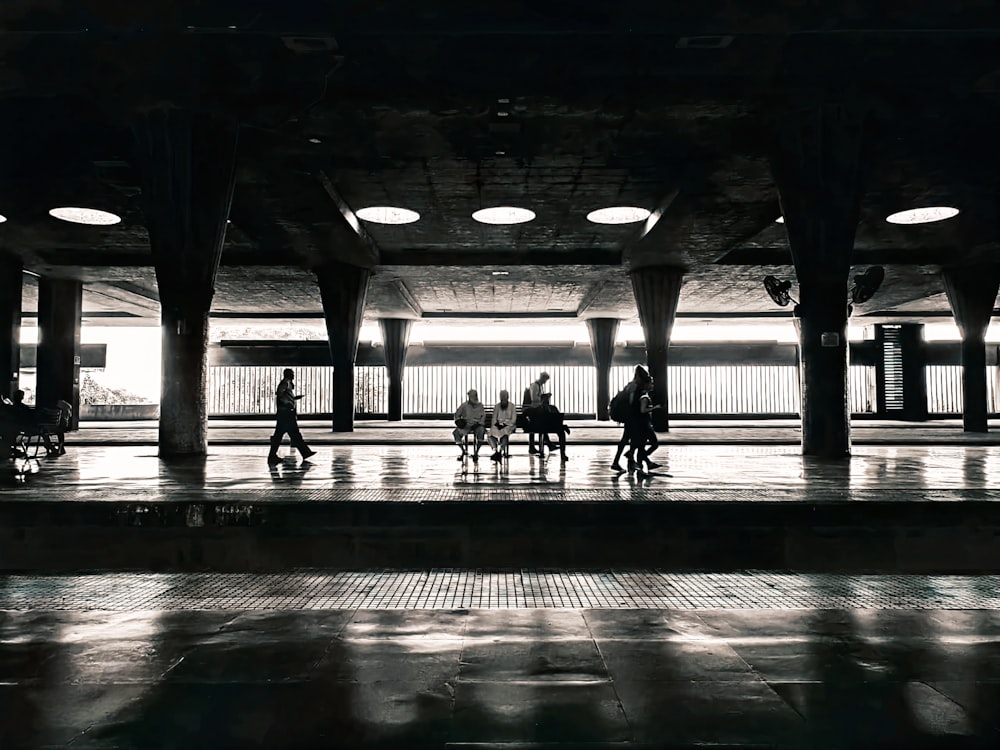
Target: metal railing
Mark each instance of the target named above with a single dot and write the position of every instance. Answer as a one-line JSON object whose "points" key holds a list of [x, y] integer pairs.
{"points": [[438, 389], [247, 391], [944, 389]]}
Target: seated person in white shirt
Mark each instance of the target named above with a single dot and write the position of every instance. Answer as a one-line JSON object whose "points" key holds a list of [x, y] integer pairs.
{"points": [[470, 417], [502, 426]]}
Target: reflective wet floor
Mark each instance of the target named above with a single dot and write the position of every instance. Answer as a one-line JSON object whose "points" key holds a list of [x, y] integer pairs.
{"points": [[502, 658], [432, 472], [803, 678]]}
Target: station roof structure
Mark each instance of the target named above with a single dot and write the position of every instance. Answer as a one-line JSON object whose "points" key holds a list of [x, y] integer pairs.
{"points": [[450, 107]]}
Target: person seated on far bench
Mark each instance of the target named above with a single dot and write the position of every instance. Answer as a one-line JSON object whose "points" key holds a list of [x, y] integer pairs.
{"points": [[65, 418], [502, 426], [11, 425], [547, 419], [470, 416], [16, 419]]}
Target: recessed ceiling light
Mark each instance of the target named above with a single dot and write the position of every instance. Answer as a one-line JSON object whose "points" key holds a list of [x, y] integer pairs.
{"points": [[502, 113], [2, 218], [780, 220], [315, 140], [501, 273], [78, 215], [387, 215], [618, 215], [922, 215], [503, 215]]}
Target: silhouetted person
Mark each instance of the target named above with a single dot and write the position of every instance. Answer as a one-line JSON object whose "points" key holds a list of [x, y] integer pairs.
{"points": [[65, 416], [641, 430], [535, 399], [550, 419], [21, 409], [637, 422], [15, 417], [10, 426], [287, 421]]}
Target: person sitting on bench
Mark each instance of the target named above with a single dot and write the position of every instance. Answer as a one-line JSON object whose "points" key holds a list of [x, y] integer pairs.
{"points": [[548, 419], [10, 427], [502, 426], [17, 417], [470, 416], [65, 419]]}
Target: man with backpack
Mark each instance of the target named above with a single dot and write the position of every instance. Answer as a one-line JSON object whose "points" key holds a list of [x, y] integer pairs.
{"points": [[632, 406]]}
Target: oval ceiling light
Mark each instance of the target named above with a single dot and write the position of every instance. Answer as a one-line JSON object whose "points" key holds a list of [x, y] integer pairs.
{"points": [[387, 215], [618, 215], [922, 215], [503, 215], [2, 218], [91, 216]]}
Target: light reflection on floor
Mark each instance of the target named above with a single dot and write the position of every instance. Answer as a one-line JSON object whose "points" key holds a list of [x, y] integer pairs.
{"points": [[135, 468]]}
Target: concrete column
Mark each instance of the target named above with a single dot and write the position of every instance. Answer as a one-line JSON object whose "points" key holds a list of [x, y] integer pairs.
{"points": [[602, 346], [823, 371], [11, 284], [395, 339], [818, 167], [343, 289], [972, 292], [60, 308], [188, 164], [657, 290]]}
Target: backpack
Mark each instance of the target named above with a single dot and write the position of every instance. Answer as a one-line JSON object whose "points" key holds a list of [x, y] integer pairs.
{"points": [[526, 400], [618, 408]]}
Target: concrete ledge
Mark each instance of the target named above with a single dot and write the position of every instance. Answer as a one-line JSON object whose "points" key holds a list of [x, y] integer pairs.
{"points": [[961, 537]]}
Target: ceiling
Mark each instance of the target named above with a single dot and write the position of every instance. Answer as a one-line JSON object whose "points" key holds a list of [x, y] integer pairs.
{"points": [[561, 108]]}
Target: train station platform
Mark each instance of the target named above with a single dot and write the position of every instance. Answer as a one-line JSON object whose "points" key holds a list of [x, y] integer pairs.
{"points": [[725, 497], [384, 594]]}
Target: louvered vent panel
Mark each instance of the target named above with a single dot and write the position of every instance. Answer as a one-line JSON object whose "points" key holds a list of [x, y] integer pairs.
{"points": [[892, 356]]}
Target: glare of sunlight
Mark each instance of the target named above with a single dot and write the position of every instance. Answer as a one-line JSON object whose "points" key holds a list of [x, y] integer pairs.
{"points": [[133, 358]]}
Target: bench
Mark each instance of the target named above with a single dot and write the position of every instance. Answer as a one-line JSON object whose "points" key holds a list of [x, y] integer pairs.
{"points": [[487, 423], [45, 428]]}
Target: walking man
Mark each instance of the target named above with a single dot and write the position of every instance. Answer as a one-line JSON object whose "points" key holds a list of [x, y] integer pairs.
{"points": [[287, 422]]}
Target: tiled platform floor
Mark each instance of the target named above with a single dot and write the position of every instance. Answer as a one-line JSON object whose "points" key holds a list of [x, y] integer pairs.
{"points": [[459, 588]]}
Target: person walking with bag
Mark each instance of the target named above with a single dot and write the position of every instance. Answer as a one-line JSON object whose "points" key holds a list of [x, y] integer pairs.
{"points": [[632, 406]]}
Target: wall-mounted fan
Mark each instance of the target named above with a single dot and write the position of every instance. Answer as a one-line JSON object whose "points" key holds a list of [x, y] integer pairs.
{"points": [[866, 284], [777, 290], [864, 288]]}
